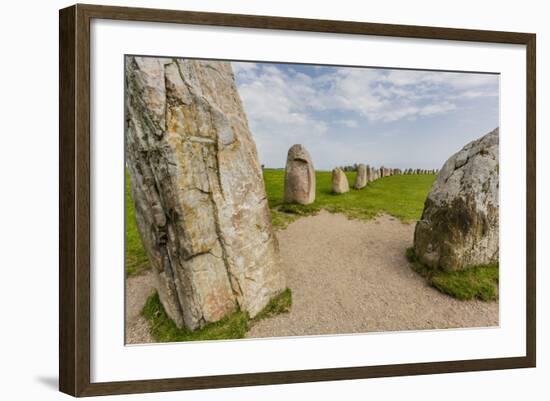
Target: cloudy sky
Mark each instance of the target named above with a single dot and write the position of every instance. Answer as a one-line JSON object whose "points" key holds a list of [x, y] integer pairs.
{"points": [[344, 115]]}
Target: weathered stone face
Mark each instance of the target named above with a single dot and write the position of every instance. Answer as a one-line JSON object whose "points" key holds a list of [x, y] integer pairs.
{"points": [[200, 201], [460, 223], [361, 177], [340, 183], [299, 176]]}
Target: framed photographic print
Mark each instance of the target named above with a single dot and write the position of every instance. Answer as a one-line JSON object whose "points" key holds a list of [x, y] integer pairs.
{"points": [[250, 200]]}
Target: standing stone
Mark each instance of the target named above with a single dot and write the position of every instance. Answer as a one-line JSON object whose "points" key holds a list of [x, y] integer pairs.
{"points": [[299, 176], [340, 183], [460, 223], [361, 177], [370, 177], [201, 206]]}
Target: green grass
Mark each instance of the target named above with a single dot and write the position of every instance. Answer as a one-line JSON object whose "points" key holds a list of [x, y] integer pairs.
{"points": [[233, 326], [401, 196], [479, 282], [136, 259], [163, 329], [280, 304]]}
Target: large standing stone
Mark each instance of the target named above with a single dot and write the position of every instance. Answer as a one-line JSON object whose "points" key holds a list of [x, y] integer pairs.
{"points": [[340, 183], [200, 201], [299, 176], [460, 223], [361, 177]]}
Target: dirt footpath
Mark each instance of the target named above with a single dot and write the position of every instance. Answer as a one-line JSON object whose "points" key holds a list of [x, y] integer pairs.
{"points": [[138, 289], [350, 276]]}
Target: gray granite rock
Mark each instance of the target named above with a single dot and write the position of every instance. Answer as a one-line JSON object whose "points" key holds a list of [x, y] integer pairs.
{"points": [[299, 176], [460, 223], [200, 201], [340, 183]]}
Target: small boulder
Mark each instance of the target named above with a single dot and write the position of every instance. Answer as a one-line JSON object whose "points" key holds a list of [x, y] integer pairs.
{"points": [[340, 183], [299, 176], [370, 175], [361, 177]]}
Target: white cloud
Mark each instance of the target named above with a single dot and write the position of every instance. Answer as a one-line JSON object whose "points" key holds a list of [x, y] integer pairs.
{"points": [[348, 123], [242, 67], [438, 108], [287, 105]]}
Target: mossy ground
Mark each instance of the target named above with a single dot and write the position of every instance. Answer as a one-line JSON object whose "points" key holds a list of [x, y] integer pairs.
{"points": [[479, 282], [401, 196], [234, 326]]}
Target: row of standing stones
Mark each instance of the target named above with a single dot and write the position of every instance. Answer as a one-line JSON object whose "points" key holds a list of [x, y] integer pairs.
{"points": [[300, 176], [459, 227], [201, 206]]}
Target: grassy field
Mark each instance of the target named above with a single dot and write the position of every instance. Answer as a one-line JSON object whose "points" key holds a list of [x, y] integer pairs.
{"points": [[401, 196], [136, 259]]}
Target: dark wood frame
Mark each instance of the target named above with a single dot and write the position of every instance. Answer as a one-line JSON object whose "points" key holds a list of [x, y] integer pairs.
{"points": [[74, 199]]}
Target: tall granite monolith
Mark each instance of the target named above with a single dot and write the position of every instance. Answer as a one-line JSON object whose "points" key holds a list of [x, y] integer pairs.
{"points": [[201, 206]]}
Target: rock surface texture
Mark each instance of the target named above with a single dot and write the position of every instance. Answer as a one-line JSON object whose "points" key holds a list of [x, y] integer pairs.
{"points": [[200, 201], [340, 183], [460, 223], [361, 177], [299, 176]]}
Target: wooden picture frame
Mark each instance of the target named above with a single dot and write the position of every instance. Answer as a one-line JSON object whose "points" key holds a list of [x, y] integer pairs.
{"points": [[74, 199]]}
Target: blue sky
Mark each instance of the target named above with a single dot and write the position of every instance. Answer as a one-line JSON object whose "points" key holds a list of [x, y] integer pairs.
{"points": [[346, 115]]}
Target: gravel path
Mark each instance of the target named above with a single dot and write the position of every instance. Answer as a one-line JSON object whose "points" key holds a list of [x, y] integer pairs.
{"points": [[138, 289], [346, 276], [350, 276]]}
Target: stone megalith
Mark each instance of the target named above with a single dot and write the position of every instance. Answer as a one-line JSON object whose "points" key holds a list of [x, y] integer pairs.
{"points": [[299, 176], [197, 185], [370, 176], [361, 177], [460, 222], [340, 183]]}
